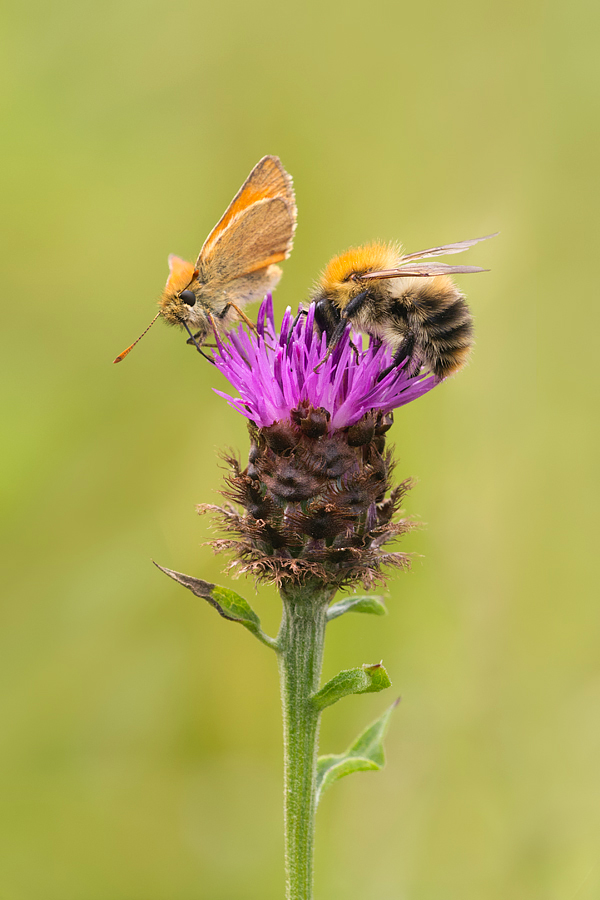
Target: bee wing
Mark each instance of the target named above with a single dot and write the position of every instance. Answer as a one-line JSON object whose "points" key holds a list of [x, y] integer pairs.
{"points": [[254, 239], [421, 270], [447, 249], [267, 179]]}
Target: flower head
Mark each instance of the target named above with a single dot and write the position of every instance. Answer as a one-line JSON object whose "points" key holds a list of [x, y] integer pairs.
{"points": [[275, 374], [316, 494]]}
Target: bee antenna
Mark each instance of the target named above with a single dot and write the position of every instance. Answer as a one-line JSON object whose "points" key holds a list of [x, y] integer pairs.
{"points": [[131, 346]]}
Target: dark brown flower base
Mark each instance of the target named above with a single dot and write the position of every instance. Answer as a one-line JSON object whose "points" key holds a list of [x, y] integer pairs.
{"points": [[317, 506]]}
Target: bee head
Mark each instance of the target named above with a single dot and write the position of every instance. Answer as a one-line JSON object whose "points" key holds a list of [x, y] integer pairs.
{"points": [[340, 281]]}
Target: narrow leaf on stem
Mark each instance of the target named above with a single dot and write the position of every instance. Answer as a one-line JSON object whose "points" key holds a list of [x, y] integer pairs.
{"points": [[363, 604], [226, 602], [365, 753], [362, 680]]}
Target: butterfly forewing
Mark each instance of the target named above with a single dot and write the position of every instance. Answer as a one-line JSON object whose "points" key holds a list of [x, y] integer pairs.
{"points": [[256, 238], [268, 179]]}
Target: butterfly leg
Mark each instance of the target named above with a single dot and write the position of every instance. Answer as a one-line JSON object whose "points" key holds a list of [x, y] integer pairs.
{"points": [[242, 316], [213, 325], [196, 344], [240, 313], [193, 339], [205, 344]]}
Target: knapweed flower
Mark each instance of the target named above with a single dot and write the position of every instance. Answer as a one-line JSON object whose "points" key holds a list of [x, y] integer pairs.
{"points": [[275, 374], [316, 493]]}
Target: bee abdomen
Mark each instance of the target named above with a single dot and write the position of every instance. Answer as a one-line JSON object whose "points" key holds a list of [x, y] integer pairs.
{"points": [[442, 325], [447, 320], [448, 336]]}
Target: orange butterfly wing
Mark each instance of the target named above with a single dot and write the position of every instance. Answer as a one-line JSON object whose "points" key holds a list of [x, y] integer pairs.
{"points": [[257, 237], [268, 179], [181, 273]]}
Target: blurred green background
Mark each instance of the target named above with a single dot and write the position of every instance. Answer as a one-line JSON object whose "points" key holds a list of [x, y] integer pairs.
{"points": [[140, 736]]}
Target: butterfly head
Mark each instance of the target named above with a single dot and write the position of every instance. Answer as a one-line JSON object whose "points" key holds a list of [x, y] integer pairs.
{"points": [[178, 303]]}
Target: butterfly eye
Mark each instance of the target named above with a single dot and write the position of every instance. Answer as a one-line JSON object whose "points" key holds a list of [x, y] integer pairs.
{"points": [[188, 297]]}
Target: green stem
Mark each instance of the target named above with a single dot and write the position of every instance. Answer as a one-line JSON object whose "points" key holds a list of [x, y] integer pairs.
{"points": [[300, 641]]}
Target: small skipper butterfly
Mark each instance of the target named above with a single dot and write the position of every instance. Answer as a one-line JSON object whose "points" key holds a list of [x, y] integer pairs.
{"points": [[237, 263]]}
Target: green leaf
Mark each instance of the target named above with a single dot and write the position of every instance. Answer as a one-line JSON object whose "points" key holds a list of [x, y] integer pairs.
{"points": [[363, 680], [365, 753], [363, 604], [227, 603]]}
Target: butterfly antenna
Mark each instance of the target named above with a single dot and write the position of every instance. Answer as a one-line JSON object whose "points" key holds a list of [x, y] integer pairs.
{"points": [[131, 346]]}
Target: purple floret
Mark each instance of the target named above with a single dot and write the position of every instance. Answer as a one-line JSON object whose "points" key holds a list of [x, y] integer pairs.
{"points": [[274, 373]]}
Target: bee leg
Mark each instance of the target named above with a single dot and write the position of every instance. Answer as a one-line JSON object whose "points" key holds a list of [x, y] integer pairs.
{"points": [[327, 316], [336, 335], [404, 351], [299, 314], [355, 304], [356, 353]]}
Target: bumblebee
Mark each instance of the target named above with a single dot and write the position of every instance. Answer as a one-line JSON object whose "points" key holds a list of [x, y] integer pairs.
{"points": [[412, 306]]}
